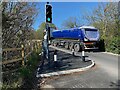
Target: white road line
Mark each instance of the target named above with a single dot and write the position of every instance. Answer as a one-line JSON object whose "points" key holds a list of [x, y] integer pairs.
{"points": [[111, 53], [70, 52], [66, 71], [61, 49]]}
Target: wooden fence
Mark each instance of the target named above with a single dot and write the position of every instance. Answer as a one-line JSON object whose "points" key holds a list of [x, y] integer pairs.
{"points": [[11, 55]]}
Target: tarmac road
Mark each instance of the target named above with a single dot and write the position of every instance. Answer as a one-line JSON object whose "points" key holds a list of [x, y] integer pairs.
{"points": [[107, 62], [103, 75]]}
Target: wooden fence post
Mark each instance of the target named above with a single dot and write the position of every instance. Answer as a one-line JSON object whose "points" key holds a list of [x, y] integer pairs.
{"points": [[32, 46], [23, 63], [29, 47], [36, 46]]}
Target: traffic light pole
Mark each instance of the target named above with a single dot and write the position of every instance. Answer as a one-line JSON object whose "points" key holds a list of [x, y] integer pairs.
{"points": [[48, 19], [47, 29]]}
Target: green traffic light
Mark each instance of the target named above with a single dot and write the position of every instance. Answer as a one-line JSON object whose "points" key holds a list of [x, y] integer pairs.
{"points": [[48, 19]]}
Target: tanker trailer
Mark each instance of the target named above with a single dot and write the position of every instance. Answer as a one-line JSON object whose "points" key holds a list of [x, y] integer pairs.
{"points": [[73, 38]]}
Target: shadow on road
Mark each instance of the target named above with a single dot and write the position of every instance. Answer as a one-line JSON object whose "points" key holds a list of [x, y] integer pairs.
{"points": [[64, 62]]}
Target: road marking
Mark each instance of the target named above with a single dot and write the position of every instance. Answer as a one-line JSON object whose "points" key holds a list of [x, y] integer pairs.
{"points": [[48, 87], [60, 49], [70, 52], [66, 71], [111, 53], [67, 51]]}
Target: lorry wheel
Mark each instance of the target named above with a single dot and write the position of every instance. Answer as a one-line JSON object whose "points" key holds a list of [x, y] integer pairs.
{"points": [[52, 43], [71, 46], [66, 45], [55, 44], [77, 47]]}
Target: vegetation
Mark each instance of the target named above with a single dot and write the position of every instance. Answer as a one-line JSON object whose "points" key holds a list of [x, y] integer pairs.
{"points": [[71, 22], [24, 77], [17, 21], [41, 29], [107, 19], [28, 73]]}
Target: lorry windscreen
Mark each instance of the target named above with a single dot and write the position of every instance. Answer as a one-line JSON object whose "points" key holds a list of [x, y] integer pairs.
{"points": [[91, 33]]}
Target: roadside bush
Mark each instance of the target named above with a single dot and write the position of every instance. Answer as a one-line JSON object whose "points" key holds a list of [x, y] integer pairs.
{"points": [[113, 45], [24, 77], [28, 72]]}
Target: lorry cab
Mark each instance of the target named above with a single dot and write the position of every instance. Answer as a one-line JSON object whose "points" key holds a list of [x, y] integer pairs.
{"points": [[91, 37], [90, 33]]}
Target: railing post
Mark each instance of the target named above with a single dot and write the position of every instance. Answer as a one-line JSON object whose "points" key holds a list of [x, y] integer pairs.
{"points": [[39, 44], [36, 46], [32, 46], [23, 63]]}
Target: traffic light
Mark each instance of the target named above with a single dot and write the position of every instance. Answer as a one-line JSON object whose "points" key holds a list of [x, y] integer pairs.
{"points": [[48, 13]]}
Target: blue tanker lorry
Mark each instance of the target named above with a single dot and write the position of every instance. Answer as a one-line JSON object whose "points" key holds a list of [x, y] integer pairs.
{"points": [[73, 37]]}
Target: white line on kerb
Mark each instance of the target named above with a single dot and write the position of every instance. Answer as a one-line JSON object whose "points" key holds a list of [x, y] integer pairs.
{"points": [[66, 71], [111, 53]]}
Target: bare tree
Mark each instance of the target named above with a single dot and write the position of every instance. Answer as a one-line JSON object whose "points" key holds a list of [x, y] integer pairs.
{"points": [[17, 21], [106, 18], [71, 22]]}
